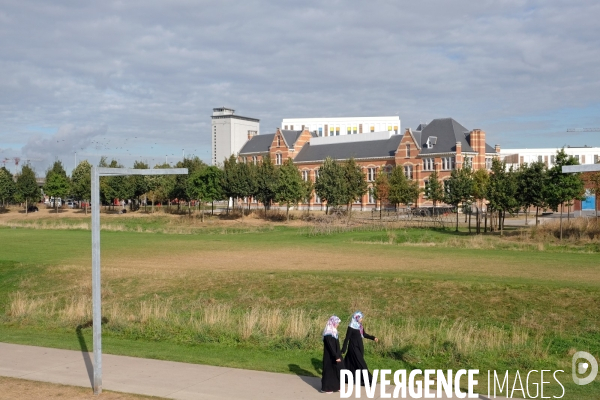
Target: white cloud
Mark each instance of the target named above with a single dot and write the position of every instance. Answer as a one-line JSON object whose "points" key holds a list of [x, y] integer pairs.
{"points": [[154, 69]]}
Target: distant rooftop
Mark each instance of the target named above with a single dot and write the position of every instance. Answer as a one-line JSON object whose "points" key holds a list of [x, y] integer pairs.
{"points": [[364, 137]]}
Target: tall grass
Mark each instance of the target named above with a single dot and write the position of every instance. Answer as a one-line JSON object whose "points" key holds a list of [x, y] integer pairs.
{"points": [[162, 318]]}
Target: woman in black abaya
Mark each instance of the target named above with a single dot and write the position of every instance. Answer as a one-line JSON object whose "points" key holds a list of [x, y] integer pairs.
{"points": [[332, 357], [355, 357]]}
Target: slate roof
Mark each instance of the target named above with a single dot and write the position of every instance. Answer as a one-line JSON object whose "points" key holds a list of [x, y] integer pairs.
{"points": [[258, 144], [343, 151], [448, 132]]}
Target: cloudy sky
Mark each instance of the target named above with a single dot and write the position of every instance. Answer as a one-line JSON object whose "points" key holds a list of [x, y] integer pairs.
{"points": [[138, 79]]}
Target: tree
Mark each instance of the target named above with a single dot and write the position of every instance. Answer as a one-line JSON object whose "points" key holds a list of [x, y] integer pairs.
{"points": [[502, 191], [7, 186], [356, 183], [205, 186], [266, 183], [57, 186], [562, 187], [434, 190], [381, 189], [57, 183], [138, 183], [160, 186], [330, 184], [459, 188], [228, 183], [531, 180], [398, 185], [592, 180], [27, 187], [180, 189], [81, 182], [114, 187], [308, 188], [481, 179], [290, 187]]}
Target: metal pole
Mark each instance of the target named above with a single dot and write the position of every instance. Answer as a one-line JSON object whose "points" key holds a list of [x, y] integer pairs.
{"points": [[96, 290]]}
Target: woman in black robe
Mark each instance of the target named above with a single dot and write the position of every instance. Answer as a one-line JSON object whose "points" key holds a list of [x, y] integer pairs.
{"points": [[353, 343], [332, 357]]}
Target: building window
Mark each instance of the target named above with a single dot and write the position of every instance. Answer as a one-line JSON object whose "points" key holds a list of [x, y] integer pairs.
{"points": [[389, 128], [291, 127], [488, 162], [408, 171], [337, 131], [254, 160], [317, 198], [285, 127], [552, 159], [396, 130], [371, 173], [583, 159], [372, 129], [407, 150], [540, 159], [316, 173], [278, 159], [354, 130], [371, 197], [278, 141], [428, 164], [320, 131], [596, 158], [447, 163], [305, 175], [426, 182], [348, 131], [331, 131], [469, 161]]}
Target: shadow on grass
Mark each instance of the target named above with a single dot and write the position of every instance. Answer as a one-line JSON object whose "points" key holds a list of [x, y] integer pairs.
{"points": [[307, 377], [89, 366]]}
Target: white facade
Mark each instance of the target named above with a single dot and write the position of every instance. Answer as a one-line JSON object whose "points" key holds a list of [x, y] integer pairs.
{"points": [[516, 157], [229, 133], [343, 126]]}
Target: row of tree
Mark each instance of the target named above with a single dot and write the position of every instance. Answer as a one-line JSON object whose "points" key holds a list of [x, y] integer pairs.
{"points": [[337, 183]]}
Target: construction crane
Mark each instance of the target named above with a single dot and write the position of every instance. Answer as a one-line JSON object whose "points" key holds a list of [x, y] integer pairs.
{"points": [[583, 130]]}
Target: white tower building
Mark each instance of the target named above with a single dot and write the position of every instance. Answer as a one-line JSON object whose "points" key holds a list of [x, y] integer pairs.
{"points": [[229, 132]]}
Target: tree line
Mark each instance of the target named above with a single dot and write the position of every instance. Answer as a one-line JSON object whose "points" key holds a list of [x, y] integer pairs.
{"points": [[338, 184]]}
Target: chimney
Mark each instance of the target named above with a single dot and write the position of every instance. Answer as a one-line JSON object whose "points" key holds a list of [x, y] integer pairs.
{"points": [[251, 134], [458, 158], [478, 144], [497, 148]]}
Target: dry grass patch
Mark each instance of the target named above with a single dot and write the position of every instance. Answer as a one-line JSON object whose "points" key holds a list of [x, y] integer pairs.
{"points": [[21, 389]]}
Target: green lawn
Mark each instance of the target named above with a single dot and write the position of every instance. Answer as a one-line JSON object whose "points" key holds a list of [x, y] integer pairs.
{"points": [[257, 297]]}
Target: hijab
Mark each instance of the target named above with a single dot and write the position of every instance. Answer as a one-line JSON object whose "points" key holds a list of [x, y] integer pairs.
{"points": [[355, 324], [330, 328]]}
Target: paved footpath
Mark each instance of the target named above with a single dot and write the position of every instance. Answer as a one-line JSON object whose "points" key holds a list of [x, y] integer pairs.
{"points": [[173, 380]]}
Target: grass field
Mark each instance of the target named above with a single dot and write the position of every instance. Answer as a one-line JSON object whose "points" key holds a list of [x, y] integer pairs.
{"points": [[257, 295]]}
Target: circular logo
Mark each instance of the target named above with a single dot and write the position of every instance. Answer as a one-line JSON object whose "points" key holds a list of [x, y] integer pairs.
{"points": [[580, 367]]}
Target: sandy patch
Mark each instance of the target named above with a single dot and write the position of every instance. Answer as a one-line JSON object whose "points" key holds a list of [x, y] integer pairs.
{"points": [[20, 389]]}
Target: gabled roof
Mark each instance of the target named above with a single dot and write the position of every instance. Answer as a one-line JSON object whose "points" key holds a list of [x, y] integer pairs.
{"points": [[258, 144], [290, 137], [343, 151], [448, 132]]}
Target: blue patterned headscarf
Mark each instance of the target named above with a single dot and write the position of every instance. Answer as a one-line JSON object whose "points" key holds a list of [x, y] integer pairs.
{"points": [[355, 324], [331, 327]]}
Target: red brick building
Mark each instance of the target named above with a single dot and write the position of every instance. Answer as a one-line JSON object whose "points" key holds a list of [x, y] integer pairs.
{"points": [[441, 145]]}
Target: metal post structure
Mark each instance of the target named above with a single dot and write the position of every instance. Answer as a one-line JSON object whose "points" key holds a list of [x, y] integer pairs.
{"points": [[97, 172]]}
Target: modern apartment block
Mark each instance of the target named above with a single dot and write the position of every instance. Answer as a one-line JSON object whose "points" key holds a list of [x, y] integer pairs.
{"points": [[442, 145], [516, 157], [343, 126], [229, 132]]}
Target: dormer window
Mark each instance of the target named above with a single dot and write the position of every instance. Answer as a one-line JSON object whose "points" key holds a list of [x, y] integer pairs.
{"points": [[431, 141]]}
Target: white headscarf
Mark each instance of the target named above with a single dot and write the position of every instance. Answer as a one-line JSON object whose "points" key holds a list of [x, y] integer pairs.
{"points": [[330, 328], [355, 322]]}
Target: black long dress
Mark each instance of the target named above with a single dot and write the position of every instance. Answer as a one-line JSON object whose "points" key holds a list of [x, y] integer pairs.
{"points": [[355, 357], [330, 382]]}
